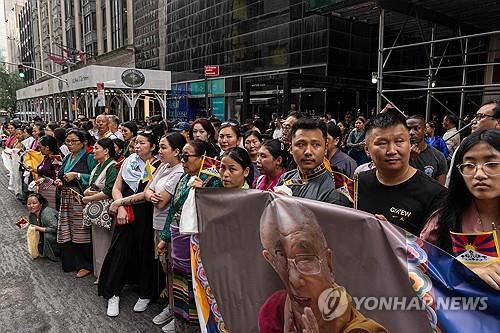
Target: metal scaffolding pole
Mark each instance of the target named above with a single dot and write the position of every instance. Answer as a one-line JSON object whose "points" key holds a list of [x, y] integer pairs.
{"points": [[464, 82], [430, 76], [444, 88], [442, 67], [380, 59], [484, 34]]}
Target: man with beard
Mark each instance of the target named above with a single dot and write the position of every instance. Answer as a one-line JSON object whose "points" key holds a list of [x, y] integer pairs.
{"points": [[296, 248], [310, 179], [424, 157]]}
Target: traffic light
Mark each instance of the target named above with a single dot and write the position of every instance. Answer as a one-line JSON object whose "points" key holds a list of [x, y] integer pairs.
{"points": [[20, 71]]}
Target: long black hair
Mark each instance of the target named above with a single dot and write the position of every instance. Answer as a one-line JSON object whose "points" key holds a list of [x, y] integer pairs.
{"points": [[152, 138], [176, 141], [459, 198], [240, 156], [203, 148], [277, 149], [41, 199], [51, 143], [107, 143]]}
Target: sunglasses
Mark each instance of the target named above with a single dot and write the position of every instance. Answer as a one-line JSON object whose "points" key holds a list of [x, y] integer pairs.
{"points": [[145, 132], [230, 123], [185, 157]]}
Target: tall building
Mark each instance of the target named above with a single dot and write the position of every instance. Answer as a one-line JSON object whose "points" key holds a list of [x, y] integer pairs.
{"points": [[12, 8], [57, 34], [147, 33], [26, 49], [273, 57]]}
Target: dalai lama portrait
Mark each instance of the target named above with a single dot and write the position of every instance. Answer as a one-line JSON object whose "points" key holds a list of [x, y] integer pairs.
{"points": [[312, 302]]}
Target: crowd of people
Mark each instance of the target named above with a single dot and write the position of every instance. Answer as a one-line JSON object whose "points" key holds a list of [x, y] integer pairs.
{"points": [[107, 197]]}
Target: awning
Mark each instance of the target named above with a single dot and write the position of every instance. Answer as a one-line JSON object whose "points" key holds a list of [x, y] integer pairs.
{"points": [[88, 77]]}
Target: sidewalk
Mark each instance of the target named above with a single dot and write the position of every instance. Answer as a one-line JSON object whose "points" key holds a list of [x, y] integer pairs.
{"points": [[37, 296]]}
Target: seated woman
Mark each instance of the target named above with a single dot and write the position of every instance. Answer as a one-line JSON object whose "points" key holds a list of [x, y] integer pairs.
{"points": [[473, 202], [100, 187], [44, 219], [271, 162], [186, 318]]}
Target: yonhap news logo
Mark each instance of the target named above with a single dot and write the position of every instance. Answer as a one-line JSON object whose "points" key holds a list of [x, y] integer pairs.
{"points": [[334, 302]]}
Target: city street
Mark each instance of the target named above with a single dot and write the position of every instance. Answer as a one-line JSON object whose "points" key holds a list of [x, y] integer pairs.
{"points": [[37, 296]]}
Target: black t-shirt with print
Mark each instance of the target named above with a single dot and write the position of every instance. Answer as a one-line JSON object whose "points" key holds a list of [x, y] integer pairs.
{"points": [[431, 162], [407, 205]]}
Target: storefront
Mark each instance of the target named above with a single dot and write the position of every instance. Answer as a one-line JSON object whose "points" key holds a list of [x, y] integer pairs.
{"points": [[127, 92]]}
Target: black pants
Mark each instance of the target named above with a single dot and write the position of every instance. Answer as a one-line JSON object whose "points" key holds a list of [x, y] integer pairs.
{"points": [[76, 256]]}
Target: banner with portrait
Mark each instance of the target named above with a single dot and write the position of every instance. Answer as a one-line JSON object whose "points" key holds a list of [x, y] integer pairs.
{"points": [[262, 260]]}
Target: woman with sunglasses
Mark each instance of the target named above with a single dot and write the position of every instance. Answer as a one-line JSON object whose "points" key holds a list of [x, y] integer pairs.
{"points": [[184, 305], [271, 162], [73, 177], [130, 258], [473, 202], [160, 193], [229, 135]]}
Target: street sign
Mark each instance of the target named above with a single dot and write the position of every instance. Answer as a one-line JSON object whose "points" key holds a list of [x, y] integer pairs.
{"points": [[212, 71], [101, 100]]}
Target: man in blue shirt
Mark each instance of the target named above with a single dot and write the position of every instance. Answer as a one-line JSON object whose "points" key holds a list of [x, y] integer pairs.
{"points": [[434, 140]]}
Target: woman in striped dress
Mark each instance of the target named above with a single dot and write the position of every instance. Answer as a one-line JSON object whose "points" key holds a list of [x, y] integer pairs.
{"points": [[48, 169], [186, 316], [73, 178]]}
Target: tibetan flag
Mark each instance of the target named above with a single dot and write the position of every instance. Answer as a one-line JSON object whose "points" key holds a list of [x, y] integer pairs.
{"points": [[210, 166], [344, 185], [475, 248], [148, 172]]}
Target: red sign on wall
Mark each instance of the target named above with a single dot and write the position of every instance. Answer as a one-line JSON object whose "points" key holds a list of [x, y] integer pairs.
{"points": [[212, 71]]}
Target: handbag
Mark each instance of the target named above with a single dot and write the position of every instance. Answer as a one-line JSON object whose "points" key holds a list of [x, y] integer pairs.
{"points": [[33, 238], [97, 213]]}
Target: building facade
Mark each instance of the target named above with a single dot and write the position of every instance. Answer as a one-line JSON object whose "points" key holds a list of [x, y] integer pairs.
{"points": [[26, 51], [12, 10], [147, 33], [259, 40]]}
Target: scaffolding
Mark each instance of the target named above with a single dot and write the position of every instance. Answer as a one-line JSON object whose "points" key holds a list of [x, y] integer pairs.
{"points": [[434, 26]]}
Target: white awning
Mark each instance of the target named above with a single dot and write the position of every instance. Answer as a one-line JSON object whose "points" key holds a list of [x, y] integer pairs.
{"points": [[88, 77]]}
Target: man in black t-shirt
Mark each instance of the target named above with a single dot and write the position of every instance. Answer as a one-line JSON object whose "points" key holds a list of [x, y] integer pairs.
{"points": [[395, 191], [424, 157]]}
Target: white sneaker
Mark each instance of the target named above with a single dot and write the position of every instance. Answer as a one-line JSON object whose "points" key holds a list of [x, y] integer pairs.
{"points": [[114, 306], [164, 317], [141, 305], [170, 327]]}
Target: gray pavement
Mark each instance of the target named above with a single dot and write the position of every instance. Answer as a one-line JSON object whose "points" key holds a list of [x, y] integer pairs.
{"points": [[37, 296]]}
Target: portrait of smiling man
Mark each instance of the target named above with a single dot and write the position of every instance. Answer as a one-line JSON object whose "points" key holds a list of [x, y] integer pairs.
{"points": [[312, 302]]}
